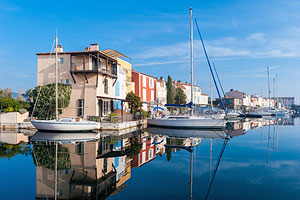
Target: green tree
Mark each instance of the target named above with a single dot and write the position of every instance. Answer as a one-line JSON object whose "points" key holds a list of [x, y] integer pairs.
{"points": [[180, 97], [45, 154], [8, 104], [169, 154], [11, 150], [136, 102], [6, 93], [170, 94], [43, 97]]}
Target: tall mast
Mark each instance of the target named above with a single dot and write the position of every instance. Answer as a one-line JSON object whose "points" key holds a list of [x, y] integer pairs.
{"points": [[274, 96], [192, 54], [211, 94], [269, 88], [56, 79]]}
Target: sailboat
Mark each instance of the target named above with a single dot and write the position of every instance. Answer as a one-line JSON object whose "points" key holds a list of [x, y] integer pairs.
{"points": [[62, 124], [190, 121]]}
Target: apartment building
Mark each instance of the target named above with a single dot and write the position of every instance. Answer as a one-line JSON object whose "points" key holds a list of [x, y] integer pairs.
{"points": [[145, 88], [199, 97], [93, 75], [287, 101], [161, 91]]}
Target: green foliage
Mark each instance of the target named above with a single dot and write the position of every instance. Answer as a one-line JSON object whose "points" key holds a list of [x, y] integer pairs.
{"points": [[22, 111], [180, 97], [44, 155], [169, 153], [136, 104], [112, 118], [45, 101], [136, 147], [11, 150], [26, 105], [170, 94], [8, 104], [145, 114], [6, 93]]}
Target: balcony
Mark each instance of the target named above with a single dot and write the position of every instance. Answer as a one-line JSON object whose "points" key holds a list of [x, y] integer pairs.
{"points": [[79, 68]]}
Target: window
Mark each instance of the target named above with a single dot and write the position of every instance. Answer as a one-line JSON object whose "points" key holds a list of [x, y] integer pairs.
{"points": [[67, 81], [79, 148], [60, 81], [150, 153], [106, 86], [144, 81], [152, 95], [144, 157], [60, 192], [105, 165], [80, 108], [105, 108], [61, 60], [151, 83]]}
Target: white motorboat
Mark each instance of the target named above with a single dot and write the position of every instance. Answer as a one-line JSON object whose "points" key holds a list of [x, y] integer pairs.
{"points": [[232, 113], [209, 112], [187, 122], [65, 125]]}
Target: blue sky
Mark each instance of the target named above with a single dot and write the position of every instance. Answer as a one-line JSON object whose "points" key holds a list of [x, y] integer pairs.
{"points": [[243, 37]]}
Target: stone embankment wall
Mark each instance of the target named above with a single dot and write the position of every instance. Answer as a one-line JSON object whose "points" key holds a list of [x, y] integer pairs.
{"points": [[15, 120]]}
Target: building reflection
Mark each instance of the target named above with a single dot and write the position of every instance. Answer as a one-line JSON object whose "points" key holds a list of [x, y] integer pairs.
{"points": [[102, 167], [97, 169]]}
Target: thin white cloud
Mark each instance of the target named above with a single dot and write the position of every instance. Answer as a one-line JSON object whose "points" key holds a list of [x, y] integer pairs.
{"points": [[256, 37], [255, 45]]}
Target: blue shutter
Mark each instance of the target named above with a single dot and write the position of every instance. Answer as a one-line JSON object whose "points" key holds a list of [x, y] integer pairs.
{"points": [[117, 89]]}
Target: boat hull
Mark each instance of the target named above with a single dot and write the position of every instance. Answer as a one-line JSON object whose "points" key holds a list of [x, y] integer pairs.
{"points": [[63, 127], [188, 123]]}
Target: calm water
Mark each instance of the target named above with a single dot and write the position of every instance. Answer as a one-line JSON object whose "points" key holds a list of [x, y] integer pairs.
{"points": [[257, 160]]}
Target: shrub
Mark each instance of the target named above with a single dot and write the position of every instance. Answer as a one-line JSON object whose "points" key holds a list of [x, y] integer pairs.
{"points": [[8, 104], [112, 118]]}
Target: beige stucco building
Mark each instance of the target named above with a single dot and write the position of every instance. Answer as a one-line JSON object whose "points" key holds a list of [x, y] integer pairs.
{"points": [[91, 73], [199, 97]]}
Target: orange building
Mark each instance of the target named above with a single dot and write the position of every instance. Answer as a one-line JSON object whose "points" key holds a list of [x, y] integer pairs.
{"points": [[145, 88]]}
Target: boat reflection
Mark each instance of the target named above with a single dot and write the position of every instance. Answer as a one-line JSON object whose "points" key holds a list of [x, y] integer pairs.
{"points": [[98, 165], [186, 133], [63, 137]]}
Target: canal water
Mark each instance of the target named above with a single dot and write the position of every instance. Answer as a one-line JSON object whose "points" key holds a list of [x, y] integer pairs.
{"points": [[255, 159]]}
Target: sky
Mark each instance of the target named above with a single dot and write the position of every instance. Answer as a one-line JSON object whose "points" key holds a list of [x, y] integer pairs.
{"points": [[243, 38]]}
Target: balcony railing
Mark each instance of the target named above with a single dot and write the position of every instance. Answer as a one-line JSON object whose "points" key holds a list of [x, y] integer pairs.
{"points": [[78, 67]]}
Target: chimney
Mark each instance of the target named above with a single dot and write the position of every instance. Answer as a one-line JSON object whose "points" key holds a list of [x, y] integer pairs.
{"points": [[94, 47], [59, 48]]}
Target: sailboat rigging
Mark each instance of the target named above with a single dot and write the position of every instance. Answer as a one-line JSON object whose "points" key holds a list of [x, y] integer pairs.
{"points": [[188, 121], [62, 124]]}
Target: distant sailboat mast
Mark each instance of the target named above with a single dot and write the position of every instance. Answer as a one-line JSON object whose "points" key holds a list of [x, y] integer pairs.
{"points": [[192, 54], [269, 88], [56, 80]]}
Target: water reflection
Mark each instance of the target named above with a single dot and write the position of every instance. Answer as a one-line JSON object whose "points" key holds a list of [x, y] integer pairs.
{"points": [[100, 165]]}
